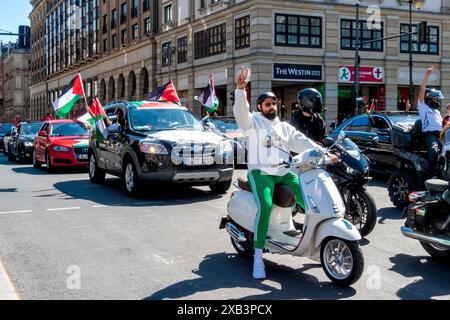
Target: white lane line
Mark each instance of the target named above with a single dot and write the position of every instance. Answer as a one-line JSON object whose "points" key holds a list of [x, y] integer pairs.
{"points": [[21, 211], [7, 291], [99, 206], [64, 209]]}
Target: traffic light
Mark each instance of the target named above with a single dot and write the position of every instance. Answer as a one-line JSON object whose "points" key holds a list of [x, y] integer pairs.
{"points": [[423, 32]]}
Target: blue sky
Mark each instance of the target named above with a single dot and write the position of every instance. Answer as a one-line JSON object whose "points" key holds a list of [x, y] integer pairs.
{"points": [[12, 14]]}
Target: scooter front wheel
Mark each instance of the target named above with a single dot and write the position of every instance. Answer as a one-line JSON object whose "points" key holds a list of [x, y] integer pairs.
{"points": [[342, 261]]}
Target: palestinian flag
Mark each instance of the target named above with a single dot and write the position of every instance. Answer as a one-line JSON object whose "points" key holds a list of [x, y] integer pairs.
{"points": [[166, 92], [372, 106], [72, 94], [98, 114], [208, 97]]}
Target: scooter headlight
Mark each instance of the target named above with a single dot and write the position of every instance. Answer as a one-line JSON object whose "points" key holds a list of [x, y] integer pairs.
{"points": [[350, 170], [316, 157]]}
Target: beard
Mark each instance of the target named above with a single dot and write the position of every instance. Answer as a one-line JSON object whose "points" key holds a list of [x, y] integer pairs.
{"points": [[271, 115]]}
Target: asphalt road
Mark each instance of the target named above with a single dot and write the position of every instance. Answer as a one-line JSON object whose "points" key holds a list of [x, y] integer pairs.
{"points": [[63, 238]]}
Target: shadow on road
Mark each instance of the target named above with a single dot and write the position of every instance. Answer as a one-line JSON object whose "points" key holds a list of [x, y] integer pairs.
{"points": [[9, 190], [111, 194], [40, 172], [228, 271], [434, 274], [389, 214]]}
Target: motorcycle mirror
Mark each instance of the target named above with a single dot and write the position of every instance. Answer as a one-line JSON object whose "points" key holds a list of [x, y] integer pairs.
{"points": [[341, 135]]}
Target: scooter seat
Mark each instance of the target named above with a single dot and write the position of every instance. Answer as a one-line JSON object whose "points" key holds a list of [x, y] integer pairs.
{"points": [[436, 185], [282, 195]]}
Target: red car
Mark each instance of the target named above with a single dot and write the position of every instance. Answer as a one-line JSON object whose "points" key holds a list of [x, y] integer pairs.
{"points": [[61, 143]]}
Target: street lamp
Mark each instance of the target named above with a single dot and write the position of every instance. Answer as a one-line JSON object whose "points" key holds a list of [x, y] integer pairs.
{"points": [[419, 5], [168, 53]]}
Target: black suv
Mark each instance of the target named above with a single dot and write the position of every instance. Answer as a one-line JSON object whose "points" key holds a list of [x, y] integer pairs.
{"points": [[21, 144], [362, 130], [159, 142]]}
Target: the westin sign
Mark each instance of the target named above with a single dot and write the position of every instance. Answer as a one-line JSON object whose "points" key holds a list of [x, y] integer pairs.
{"points": [[298, 72]]}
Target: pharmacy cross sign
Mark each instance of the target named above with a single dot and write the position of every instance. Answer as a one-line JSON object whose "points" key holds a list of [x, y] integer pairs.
{"points": [[366, 74]]}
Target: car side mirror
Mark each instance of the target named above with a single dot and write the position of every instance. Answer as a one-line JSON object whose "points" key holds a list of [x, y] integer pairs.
{"points": [[42, 134], [209, 126]]}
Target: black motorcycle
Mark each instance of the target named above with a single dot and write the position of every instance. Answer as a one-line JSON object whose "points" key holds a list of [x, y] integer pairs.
{"points": [[428, 219], [351, 175]]}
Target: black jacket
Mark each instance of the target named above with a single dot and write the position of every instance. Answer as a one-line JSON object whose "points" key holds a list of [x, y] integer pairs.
{"points": [[312, 127]]}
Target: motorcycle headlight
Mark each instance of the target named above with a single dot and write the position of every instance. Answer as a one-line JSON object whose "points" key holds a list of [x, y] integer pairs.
{"points": [[28, 144], [60, 149], [153, 148], [316, 157], [350, 170]]}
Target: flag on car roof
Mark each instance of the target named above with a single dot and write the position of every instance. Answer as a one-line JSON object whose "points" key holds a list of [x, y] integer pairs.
{"points": [[166, 92], [98, 114], [208, 97], [73, 92]]}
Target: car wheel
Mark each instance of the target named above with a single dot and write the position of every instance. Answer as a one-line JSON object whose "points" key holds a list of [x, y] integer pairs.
{"points": [[400, 185], [131, 180], [48, 163], [220, 187], [96, 174], [36, 163]]}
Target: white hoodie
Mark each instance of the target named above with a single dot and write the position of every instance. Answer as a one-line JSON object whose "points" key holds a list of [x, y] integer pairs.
{"points": [[256, 128]]}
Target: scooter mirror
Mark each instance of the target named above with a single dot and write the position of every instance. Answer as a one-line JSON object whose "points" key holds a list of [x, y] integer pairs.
{"points": [[268, 141]]}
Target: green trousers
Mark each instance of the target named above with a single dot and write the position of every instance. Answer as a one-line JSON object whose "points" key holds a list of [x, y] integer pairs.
{"points": [[263, 186]]}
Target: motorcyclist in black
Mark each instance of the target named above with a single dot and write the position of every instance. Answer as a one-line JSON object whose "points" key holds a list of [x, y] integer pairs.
{"points": [[307, 119]]}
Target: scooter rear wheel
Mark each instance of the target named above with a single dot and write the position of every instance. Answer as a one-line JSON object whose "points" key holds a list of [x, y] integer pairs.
{"points": [[342, 261]]}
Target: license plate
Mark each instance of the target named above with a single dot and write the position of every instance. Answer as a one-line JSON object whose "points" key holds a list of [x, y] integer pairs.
{"points": [[198, 161], [82, 156]]}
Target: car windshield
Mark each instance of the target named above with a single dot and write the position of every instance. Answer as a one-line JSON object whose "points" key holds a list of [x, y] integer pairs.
{"points": [[404, 119], [30, 128], [69, 129], [147, 119], [5, 127], [225, 125]]}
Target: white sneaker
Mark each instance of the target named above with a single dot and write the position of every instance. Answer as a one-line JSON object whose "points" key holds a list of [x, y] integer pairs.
{"points": [[259, 271]]}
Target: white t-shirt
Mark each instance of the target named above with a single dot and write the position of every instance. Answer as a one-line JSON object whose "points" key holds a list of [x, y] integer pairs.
{"points": [[431, 118]]}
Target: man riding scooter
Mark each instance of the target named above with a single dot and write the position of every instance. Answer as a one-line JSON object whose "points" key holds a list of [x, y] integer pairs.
{"points": [[262, 174]]}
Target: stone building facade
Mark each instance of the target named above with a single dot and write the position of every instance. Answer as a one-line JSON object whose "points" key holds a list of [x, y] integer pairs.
{"points": [[288, 45]]}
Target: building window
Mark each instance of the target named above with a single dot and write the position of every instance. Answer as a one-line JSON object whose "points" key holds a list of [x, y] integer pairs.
{"points": [[348, 36], [113, 41], [166, 54], [145, 5], [124, 36], [168, 14], [135, 31], [147, 26], [210, 41], [134, 10], [105, 24], [202, 4], [242, 32], [298, 31], [182, 50], [430, 47], [123, 12], [105, 45], [113, 18]]}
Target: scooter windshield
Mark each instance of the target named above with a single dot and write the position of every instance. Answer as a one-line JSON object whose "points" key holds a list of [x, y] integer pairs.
{"points": [[350, 147]]}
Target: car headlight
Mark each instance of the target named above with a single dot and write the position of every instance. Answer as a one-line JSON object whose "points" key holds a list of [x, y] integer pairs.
{"points": [[61, 149], [153, 148], [28, 144], [316, 157]]}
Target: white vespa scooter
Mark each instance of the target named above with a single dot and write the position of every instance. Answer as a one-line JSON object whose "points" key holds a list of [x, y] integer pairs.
{"points": [[324, 231]]}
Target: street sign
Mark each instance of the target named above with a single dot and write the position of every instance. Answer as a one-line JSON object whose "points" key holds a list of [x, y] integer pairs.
{"points": [[366, 74]]}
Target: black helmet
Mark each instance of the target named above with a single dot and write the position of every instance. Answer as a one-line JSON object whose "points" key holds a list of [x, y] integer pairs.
{"points": [[310, 100], [263, 96], [433, 97]]}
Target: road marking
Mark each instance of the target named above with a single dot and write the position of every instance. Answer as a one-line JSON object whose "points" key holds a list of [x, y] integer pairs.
{"points": [[22, 211], [64, 209], [7, 291], [161, 259], [99, 206]]}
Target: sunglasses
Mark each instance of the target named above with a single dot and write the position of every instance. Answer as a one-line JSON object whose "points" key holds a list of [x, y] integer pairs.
{"points": [[269, 104]]}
